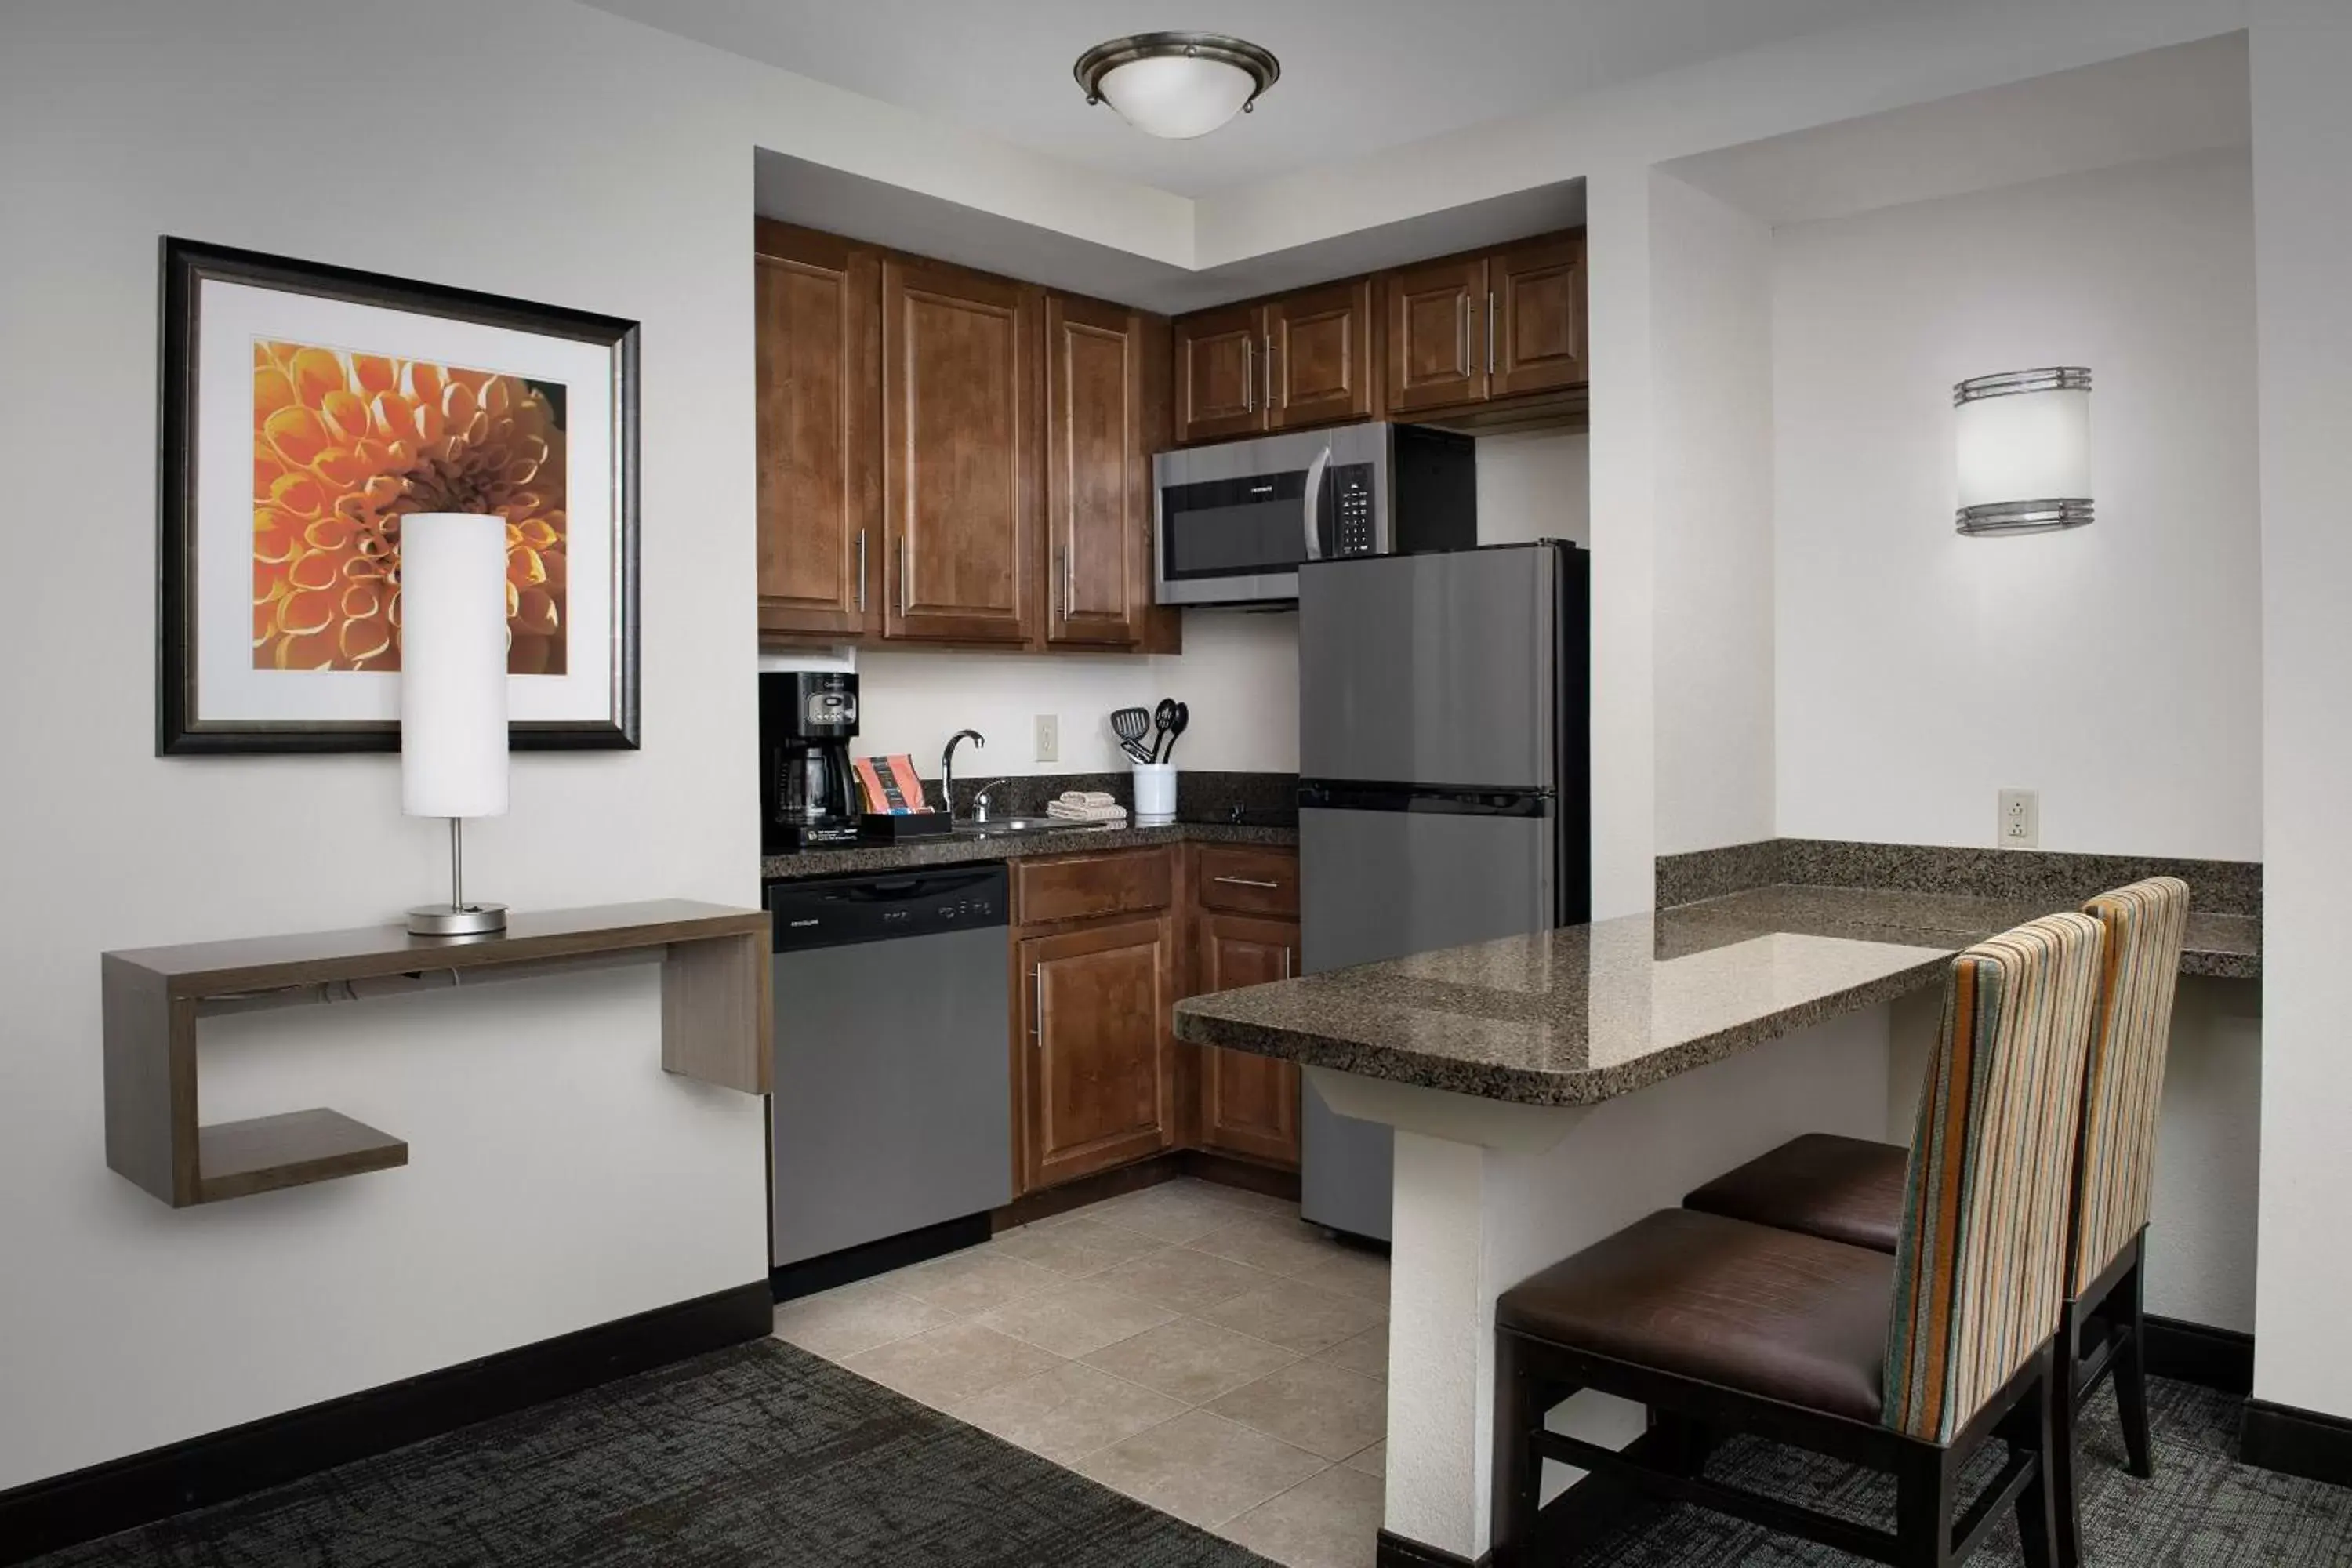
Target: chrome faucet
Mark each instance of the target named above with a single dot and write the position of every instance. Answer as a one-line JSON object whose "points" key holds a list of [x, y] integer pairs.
{"points": [[947, 766], [979, 798]]}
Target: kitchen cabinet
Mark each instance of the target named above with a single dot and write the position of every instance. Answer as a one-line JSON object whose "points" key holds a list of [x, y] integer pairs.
{"points": [[1433, 314], [961, 394], [1283, 363], [819, 356], [1536, 310], [1249, 1104], [1473, 329], [1105, 372], [1097, 968]]}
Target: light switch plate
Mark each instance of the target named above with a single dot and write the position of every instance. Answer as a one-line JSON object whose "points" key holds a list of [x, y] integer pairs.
{"points": [[1049, 738], [2020, 819]]}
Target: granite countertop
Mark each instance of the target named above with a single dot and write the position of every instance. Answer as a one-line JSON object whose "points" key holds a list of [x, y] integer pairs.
{"points": [[959, 849], [1589, 1013]]}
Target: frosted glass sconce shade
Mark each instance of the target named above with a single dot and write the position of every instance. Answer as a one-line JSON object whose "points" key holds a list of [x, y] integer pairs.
{"points": [[453, 665], [2024, 445]]}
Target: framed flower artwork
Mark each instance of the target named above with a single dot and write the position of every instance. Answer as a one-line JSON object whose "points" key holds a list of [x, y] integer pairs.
{"points": [[306, 410]]}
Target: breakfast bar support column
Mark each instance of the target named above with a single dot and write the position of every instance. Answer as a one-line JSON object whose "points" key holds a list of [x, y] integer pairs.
{"points": [[1489, 1192]]}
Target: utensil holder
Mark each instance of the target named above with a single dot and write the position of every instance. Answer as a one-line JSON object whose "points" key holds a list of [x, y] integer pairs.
{"points": [[1155, 794]]}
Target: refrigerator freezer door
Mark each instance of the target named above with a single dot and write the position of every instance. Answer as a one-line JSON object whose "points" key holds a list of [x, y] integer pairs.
{"points": [[1430, 670], [1379, 885]]}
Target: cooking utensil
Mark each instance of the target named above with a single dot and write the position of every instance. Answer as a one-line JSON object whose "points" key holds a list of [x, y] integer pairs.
{"points": [[1130, 725], [1161, 717], [1176, 727]]}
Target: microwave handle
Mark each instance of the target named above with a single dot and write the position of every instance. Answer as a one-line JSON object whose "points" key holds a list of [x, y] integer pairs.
{"points": [[1313, 503]]}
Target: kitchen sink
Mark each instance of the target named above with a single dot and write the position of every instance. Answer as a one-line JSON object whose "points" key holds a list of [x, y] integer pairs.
{"points": [[1013, 827]]}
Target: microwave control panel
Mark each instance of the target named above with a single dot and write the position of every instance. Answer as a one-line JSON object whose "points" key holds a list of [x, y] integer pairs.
{"points": [[1351, 492]]}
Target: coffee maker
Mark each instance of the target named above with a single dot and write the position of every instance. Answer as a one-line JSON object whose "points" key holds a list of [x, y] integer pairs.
{"points": [[808, 791]]}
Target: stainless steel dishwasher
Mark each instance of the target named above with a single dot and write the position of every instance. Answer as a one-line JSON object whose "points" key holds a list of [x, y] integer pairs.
{"points": [[891, 1122]]}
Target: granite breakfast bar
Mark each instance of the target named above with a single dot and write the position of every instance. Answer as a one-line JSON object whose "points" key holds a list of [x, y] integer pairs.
{"points": [[1548, 1089]]}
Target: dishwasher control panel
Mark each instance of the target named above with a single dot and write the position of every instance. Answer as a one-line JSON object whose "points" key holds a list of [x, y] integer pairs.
{"points": [[837, 911]]}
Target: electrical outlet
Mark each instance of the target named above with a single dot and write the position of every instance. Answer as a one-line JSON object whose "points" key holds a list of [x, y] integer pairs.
{"points": [[2020, 819], [1049, 738]]}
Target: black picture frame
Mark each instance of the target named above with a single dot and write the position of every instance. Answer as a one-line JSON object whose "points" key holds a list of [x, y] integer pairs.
{"points": [[185, 266]]}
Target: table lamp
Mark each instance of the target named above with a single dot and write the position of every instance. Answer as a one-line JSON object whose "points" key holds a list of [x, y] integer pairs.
{"points": [[453, 693]]}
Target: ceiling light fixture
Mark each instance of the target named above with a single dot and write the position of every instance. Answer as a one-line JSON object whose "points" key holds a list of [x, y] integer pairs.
{"points": [[1177, 84], [2024, 441]]}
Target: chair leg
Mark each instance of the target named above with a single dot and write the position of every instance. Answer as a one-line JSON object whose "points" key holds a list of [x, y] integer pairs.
{"points": [[1520, 1406], [2131, 1366], [1683, 1443], [2059, 1447], [1924, 1492], [2037, 1505]]}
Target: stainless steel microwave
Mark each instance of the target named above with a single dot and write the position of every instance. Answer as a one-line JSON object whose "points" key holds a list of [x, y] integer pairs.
{"points": [[1233, 523]]}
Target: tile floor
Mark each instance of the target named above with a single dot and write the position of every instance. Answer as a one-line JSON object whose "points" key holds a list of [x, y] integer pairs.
{"points": [[1193, 1346]]}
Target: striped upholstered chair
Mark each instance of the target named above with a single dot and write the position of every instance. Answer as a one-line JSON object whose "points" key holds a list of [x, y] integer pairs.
{"points": [[1849, 1190], [1905, 1363]]}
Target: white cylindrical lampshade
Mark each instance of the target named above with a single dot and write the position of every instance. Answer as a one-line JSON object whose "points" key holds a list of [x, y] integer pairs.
{"points": [[1177, 96], [2022, 443], [453, 665]]}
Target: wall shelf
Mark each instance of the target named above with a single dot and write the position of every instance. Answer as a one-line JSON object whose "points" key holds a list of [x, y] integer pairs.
{"points": [[715, 1027]]}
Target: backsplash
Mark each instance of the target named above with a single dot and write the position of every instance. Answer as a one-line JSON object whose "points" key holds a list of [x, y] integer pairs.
{"points": [[2216, 887], [1265, 799]]}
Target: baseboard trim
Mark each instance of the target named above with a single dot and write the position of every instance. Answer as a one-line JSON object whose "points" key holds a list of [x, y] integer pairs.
{"points": [[2296, 1441], [792, 1280], [121, 1494], [1232, 1171], [1398, 1551], [2220, 1359]]}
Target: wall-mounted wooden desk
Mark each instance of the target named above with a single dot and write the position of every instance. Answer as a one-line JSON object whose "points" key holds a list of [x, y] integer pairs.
{"points": [[715, 1027]]}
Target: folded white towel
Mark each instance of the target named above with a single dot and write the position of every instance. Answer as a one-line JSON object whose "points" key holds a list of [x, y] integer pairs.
{"points": [[1063, 811], [1088, 798]]}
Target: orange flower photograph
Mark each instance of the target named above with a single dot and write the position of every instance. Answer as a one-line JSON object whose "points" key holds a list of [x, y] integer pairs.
{"points": [[345, 444]]}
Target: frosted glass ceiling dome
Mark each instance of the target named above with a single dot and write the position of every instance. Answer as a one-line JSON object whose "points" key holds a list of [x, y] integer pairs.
{"points": [[1177, 84]]}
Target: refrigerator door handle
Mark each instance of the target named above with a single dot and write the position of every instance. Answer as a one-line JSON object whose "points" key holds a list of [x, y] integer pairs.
{"points": [[1312, 505]]}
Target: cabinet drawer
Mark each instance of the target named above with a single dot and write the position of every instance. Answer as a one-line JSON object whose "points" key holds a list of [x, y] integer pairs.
{"points": [[1248, 879], [1088, 887]]}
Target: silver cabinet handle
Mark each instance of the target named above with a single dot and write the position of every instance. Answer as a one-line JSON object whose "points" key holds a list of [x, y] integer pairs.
{"points": [[1037, 1012], [1490, 332], [1286, 963], [1269, 373], [1462, 339], [861, 570], [1249, 375], [1070, 573], [902, 576], [1243, 882]]}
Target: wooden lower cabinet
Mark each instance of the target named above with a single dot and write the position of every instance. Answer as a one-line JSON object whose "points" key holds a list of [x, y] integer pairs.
{"points": [[1249, 1104], [1094, 1035]]}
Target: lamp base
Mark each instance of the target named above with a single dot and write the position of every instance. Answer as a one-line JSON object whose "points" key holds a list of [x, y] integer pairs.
{"points": [[451, 919]]}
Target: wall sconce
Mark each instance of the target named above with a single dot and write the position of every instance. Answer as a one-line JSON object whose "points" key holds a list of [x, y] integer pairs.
{"points": [[2023, 440]]}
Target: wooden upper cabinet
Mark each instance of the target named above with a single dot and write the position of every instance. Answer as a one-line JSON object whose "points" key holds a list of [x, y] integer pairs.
{"points": [[961, 430], [1435, 314], [1097, 531], [1219, 374], [1319, 350], [818, 338], [1098, 1085], [1536, 295], [1249, 1104]]}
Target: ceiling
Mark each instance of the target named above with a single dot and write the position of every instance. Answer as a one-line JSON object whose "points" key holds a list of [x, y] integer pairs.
{"points": [[1356, 75]]}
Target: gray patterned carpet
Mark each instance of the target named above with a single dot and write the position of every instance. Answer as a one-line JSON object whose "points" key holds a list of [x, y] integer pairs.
{"points": [[766, 1456], [759, 1456], [2203, 1509]]}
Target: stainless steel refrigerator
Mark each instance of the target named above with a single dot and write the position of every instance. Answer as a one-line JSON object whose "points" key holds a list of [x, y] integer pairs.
{"points": [[1444, 785]]}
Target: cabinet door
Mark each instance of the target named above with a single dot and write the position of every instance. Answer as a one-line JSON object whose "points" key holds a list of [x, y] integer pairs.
{"points": [[819, 354], [1219, 374], [1318, 356], [1537, 321], [1433, 349], [1095, 1004], [1097, 474], [1249, 1104], [961, 448]]}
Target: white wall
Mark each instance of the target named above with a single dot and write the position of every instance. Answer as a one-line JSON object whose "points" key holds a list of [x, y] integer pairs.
{"points": [[2115, 667], [1534, 485], [1711, 358], [559, 1179], [2302, 222]]}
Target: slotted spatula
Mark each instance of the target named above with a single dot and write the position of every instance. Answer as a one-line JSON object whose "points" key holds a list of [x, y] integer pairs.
{"points": [[1130, 725]]}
